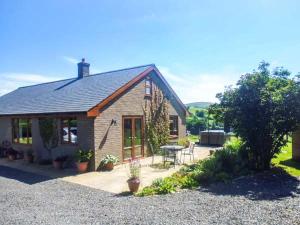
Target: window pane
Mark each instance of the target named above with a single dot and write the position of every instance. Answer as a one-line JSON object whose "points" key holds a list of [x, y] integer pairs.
{"points": [[138, 137], [23, 129], [127, 138], [148, 83], [65, 131], [148, 91], [29, 132], [173, 125], [15, 130], [73, 130], [69, 131]]}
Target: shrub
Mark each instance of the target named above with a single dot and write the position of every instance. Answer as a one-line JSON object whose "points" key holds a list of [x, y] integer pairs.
{"points": [[223, 177], [167, 185], [184, 142], [234, 144], [147, 191], [109, 159], [222, 166], [83, 156]]}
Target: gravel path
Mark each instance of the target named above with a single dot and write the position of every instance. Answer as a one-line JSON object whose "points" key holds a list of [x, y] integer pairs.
{"points": [[26, 198]]}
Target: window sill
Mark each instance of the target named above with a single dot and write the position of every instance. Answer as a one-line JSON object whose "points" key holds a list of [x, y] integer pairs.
{"points": [[174, 136], [20, 144], [70, 144]]}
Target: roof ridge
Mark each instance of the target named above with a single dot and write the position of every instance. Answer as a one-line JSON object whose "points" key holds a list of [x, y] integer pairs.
{"points": [[96, 74], [129, 68]]}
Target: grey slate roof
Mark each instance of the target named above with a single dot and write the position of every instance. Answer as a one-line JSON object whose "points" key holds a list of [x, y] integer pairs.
{"points": [[71, 95]]}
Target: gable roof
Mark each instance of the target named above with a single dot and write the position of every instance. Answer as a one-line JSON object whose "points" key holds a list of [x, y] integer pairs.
{"points": [[73, 95]]}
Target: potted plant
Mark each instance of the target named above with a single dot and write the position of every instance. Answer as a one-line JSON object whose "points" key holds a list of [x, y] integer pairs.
{"points": [[134, 179], [59, 161], [82, 160], [108, 162], [12, 154], [29, 157]]}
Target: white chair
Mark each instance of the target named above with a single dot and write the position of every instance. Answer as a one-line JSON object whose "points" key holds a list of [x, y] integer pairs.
{"points": [[188, 151]]}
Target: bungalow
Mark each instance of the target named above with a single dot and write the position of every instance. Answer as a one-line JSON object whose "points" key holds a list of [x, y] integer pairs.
{"points": [[102, 112]]}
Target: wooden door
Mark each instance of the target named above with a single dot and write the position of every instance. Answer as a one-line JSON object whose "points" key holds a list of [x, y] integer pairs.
{"points": [[133, 137]]}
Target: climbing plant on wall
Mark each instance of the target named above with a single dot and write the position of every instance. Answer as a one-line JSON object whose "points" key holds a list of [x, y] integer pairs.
{"points": [[49, 133], [157, 120]]}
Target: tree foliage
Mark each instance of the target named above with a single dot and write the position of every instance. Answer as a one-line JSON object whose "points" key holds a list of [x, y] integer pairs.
{"points": [[157, 120], [262, 109]]}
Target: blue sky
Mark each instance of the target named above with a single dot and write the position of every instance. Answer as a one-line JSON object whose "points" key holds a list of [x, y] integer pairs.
{"points": [[199, 46]]}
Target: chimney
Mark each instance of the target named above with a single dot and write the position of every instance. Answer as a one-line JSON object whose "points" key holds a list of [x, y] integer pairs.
{"points": [[83, 69]]}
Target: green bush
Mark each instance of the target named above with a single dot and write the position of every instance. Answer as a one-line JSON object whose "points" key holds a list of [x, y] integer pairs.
{"points": [[83, 156], [147, 191], [223, 177], [184, 142], [222, 166]]}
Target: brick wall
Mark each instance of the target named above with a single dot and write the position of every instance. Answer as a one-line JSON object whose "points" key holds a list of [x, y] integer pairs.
{"points": [[108, 138], [84, 129]]}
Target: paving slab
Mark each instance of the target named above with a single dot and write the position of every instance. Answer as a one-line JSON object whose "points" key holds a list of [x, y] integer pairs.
{"points": [[114, 181]]}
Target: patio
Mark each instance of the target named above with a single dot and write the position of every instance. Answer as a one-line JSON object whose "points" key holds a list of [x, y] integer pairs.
{"points": [[111, 181]]}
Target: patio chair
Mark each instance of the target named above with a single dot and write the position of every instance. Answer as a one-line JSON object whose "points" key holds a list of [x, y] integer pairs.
{"points": [[188, 151], [169, 156]]}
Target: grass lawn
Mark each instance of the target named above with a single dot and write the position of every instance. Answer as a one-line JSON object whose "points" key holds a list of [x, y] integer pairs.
{"points": [[193, 138], [284, 160]]}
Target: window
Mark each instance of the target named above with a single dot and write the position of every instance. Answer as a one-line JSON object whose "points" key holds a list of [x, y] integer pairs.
{"points": [[69, 131], [174, 125], [148, 87], [22, 131]]}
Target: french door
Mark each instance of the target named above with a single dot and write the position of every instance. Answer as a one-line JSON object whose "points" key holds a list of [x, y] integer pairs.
{"points": [[133, 140]]}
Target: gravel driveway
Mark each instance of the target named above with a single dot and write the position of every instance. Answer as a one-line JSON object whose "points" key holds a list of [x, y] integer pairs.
{"points": [[26, 198]]}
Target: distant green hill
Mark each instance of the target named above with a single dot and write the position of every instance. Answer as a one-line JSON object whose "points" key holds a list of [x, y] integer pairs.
{"points": [[199, 104]]}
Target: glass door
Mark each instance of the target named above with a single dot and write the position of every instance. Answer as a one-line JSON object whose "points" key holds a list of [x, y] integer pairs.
{"points": [[133, 146], [137, 139], [127, 138]]}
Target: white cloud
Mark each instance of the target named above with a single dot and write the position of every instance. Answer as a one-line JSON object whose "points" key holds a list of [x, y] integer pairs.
{"points": [[200, 87], [12, 81], [71, 60]]}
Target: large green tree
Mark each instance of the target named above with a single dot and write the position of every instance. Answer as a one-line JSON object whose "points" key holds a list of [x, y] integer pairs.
{"points": [[262, 109]]}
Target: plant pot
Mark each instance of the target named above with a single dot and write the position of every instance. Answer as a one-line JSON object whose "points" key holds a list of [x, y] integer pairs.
{"points": [[133, 184], [29, 158], [109, 166], [57, 164], [12, 157], [82, 166]]}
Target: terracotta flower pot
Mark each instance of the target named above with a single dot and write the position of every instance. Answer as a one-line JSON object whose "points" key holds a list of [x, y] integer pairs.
{"points": [[82, 166], [29, 158], [11, 157], [134, 184], [109, 166], [57, 164]]}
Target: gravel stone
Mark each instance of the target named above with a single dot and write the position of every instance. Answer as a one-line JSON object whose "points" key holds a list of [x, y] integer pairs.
{"points": [[27, 198]]}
